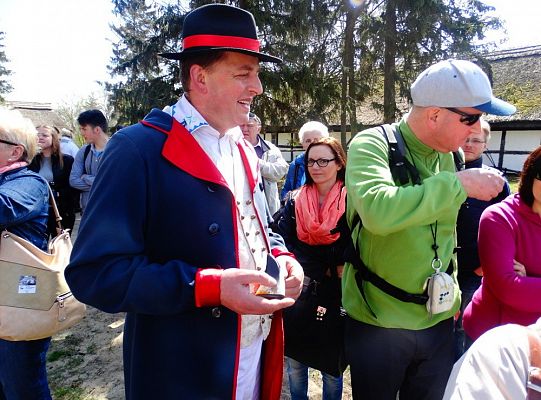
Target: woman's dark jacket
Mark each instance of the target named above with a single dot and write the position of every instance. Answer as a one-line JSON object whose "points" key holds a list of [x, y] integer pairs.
{"points": [[315, 259], [67, 198]]}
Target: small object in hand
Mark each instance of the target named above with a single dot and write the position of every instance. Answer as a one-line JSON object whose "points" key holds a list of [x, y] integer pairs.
{"points": [[274, 270]]}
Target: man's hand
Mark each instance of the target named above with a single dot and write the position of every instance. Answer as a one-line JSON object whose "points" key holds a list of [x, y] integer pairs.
{"points": [[235, 292], [480, 183], [295, 275]]}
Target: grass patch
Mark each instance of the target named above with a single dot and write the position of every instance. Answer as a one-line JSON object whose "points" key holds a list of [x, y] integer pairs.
{"points": [[513, 182], [58, 354], [69, 393], [92, 348]]}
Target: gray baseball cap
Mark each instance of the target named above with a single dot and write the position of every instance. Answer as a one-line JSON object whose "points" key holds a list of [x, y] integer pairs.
{"points": [[457, 83]]}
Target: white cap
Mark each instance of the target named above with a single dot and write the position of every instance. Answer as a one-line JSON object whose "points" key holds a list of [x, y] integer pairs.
{"points": [[457, 83]]}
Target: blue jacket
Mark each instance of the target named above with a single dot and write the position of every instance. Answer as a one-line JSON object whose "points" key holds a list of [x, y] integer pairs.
{"points": [[159, 211], [295, 177], [24, 205]]}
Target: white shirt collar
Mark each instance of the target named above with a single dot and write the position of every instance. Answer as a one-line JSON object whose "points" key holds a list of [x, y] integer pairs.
{"points": [[185, 113]]}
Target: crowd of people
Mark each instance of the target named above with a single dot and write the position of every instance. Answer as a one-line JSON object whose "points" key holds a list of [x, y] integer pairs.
{"points": [[391, 258]]}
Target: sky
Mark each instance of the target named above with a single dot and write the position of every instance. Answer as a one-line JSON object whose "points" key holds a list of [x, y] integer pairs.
{"points": [[58, 49]]}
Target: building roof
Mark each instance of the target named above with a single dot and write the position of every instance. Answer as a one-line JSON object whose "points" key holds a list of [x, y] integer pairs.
{"points": [[38, 113], [516, 77]]}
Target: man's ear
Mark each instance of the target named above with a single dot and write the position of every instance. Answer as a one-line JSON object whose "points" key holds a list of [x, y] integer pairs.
{"points": [[198, 78], [433, 116]]}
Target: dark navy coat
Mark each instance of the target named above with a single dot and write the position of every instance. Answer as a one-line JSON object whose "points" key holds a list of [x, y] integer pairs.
{"points": [[159, 210]]}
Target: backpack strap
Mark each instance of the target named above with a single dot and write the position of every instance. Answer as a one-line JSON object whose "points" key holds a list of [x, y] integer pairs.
{"points": [[87, 150], [459, 161], [401, 168], [362, 273]]}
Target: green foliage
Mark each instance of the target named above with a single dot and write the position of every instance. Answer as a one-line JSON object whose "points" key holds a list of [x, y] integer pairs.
{"points": [[5, 86], [522, 95], [310, 36], [69, 393], [68, 111], [144, 81], [426, 31]]}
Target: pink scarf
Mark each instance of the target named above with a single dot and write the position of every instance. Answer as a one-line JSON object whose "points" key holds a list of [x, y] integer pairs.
{"points": [[314, 223], [15, 165]]}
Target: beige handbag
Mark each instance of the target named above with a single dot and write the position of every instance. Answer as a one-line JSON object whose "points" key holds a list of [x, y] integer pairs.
{"points": [[35, 300]]}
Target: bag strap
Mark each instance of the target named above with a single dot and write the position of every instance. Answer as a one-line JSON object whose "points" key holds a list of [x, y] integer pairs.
{"points": [[58, 218], [85, 155], [400, 167]]}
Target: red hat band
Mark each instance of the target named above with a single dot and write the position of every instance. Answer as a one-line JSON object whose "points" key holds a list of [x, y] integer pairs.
{"points": [[220, 41]]}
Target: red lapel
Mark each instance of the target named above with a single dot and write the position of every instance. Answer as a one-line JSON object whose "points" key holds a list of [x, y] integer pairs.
{"points": [[183, 151]]}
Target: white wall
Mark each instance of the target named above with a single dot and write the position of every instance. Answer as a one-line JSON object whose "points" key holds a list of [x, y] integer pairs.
{"points": [[514, 141]]}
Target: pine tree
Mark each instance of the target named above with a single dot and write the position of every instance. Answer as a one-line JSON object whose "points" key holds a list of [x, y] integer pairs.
{"points": [[5, 86], [417, 33], [144, 80], [336, 56]]}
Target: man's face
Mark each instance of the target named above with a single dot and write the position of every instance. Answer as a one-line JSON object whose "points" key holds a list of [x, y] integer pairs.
{"points": [[90, 133], [230, 86], [452, 133], [250, 131], [475, 145]]}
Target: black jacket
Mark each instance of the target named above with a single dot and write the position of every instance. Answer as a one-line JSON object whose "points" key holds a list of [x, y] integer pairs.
{"points": [[67, 198]]}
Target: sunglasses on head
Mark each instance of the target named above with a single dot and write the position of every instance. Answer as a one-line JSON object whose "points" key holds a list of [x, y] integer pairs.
{"points": [[8, 142], [468, 119]]}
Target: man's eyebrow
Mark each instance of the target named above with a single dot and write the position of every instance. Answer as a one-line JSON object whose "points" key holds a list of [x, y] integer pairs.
{"points": [[249, 67]]}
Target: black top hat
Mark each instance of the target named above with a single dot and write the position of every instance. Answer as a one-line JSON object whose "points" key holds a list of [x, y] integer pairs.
{"points": [[219, 27]]}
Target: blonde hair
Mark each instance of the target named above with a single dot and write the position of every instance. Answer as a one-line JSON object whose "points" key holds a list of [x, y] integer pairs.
{"points": [[485, 128], [313, 126], [18, 129]]}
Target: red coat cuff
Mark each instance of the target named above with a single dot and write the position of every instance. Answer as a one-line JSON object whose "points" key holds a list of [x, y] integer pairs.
{"points": [[207, 287], [278, 251]]}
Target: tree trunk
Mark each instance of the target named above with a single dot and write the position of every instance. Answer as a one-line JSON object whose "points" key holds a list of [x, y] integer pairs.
{"points": [[349, 61], [389, 67]]}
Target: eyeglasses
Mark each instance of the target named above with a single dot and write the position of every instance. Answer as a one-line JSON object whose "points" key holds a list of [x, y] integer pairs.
{"points": [[474, 141], [468, 119], [322, 162], [8, 142]]}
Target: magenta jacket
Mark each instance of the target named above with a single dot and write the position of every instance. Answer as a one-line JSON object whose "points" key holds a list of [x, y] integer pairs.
{"points": [[508, 230]]}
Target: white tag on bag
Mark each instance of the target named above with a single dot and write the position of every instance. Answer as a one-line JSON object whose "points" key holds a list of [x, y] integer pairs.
{"points": [[441, 290]]}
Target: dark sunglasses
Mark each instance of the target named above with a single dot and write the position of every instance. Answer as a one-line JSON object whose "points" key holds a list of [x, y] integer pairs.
{"points": [[538, 175], [468, 119], [8, 142]]}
